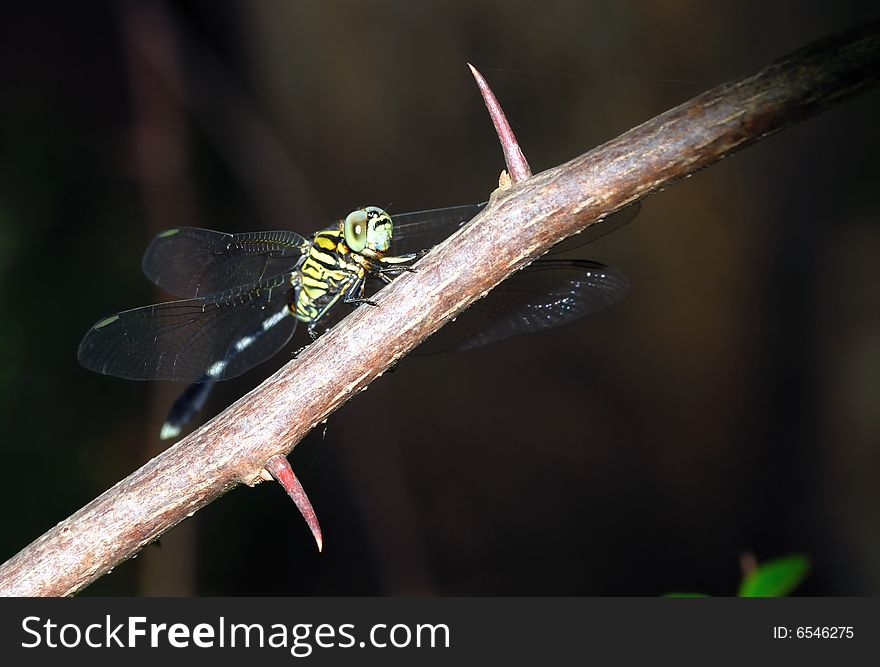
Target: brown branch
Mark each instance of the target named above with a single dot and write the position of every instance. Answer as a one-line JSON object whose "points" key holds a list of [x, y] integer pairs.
{"points": [[233, 448]]}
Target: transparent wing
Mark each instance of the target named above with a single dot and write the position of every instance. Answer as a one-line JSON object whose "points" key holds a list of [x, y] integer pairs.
{"points": [[545, 294], [421, 230], [425, 229], [183, 341], [191, 263]]}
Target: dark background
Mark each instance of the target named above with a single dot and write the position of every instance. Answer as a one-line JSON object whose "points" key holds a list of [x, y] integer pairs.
{"points": [[728, 406]]}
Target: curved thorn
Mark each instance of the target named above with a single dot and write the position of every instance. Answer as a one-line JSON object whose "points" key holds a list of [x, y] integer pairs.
{"points": [[279, 467], [517, 165]]}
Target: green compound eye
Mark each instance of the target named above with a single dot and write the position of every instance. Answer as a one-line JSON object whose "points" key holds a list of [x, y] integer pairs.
{"points": [[379, 229], [355, 230]]}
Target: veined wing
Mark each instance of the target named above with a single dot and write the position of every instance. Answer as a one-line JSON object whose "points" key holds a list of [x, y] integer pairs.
{"points": [[183, 341], [545, 294], [424, 229], [194, 263]]}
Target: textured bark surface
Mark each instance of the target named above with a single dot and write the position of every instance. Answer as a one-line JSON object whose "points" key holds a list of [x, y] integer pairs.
{"points": [[530, 217]]}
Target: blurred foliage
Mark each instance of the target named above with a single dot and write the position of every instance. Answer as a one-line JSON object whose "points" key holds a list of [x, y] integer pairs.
{"points": [[773, 579]]}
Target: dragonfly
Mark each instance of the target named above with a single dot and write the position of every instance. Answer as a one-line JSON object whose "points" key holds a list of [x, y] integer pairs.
{"points": [[241, 296]]}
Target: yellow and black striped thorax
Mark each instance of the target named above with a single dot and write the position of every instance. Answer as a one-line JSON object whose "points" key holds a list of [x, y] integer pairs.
{"points": [[338, 260], [328, 269]]}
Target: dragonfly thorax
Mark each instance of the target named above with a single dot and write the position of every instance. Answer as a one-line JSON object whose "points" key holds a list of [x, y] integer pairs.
{"points": [[367, 231]]}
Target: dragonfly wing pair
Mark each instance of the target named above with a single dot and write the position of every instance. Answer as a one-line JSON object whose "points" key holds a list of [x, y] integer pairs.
{"points": [[235, 314]]}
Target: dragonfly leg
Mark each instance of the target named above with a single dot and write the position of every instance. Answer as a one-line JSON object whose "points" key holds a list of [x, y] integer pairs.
{"points": [[354, 295], [396, 269], [359, 300], [382, 273]]}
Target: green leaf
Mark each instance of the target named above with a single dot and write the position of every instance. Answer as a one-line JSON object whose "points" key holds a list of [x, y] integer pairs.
{"points": [[775, 578]]}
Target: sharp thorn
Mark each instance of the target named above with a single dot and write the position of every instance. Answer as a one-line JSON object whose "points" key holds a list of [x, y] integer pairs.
{"points": [[517, 165], [279, 467]]}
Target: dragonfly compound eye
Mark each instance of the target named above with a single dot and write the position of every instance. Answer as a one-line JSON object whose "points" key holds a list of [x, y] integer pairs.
{"points": [[379, 228], [355, 230]]}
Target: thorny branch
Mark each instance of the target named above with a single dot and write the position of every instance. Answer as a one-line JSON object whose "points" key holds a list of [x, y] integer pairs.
{"points": [[234, 447]]}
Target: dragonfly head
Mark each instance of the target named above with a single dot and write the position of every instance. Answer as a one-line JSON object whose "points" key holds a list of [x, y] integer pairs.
{"points": [[368, 230]]}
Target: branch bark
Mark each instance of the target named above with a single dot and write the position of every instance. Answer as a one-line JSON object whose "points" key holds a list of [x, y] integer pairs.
{"points": [[234, 447]]}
